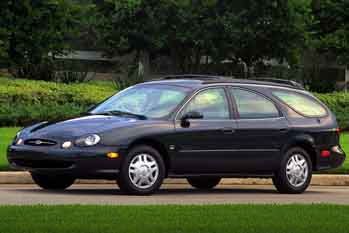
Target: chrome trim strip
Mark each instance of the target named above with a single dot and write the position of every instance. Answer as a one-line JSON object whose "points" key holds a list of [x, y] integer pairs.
{"points": [[230, 150], [262, 119], [235, 120], [203, 120]]}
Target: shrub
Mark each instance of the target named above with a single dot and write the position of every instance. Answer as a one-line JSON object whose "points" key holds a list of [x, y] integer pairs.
{"points": [[338, 102], [24, 102]]}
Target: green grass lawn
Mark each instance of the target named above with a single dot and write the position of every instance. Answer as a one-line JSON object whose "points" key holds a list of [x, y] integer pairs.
{"points": [[176, 219], [345, 146], [7, 134]]}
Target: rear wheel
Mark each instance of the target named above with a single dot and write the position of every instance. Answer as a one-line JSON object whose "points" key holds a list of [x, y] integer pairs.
{"points": [[53, 182], [142, 171], [295, 172], [204, 182]]}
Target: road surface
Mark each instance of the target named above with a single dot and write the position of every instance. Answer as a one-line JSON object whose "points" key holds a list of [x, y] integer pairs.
{"points": [[170, 194]]}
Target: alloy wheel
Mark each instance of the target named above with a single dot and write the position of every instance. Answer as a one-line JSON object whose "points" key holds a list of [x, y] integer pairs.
{"points": [[143, 171], [297, 170]]}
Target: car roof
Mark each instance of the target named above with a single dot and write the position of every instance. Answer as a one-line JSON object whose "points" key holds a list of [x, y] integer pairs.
{"points": [[197, 81]]}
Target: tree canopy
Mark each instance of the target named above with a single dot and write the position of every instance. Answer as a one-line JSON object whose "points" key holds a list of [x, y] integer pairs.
{"points": [[33, 29], [331, 28], [241, 31], [187, 30]]}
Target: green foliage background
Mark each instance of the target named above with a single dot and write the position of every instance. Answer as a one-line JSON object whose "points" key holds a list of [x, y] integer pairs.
{"points": [[24, 102], [338, 102], [187, 30]]}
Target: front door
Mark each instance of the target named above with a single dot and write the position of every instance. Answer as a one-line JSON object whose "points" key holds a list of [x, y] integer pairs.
{"points": [[205, 145]]}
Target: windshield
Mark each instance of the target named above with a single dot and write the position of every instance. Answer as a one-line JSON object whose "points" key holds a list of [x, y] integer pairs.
{"points": [[150, 101]]}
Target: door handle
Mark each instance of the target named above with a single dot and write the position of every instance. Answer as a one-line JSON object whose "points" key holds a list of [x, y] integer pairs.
{"points": [[228, 130], [283, 130]]}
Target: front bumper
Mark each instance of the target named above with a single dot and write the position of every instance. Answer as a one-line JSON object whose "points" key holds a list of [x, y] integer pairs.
{"points": [[335, 160], [81, 162]]}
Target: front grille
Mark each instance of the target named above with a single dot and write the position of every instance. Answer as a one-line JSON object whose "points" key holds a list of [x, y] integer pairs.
{"points": [[39, 142], [42, 163]]}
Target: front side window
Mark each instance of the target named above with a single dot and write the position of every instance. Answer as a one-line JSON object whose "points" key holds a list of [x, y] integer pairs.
{"points": [[253, 106], [301, 103], [211, 103], [151, 101]]}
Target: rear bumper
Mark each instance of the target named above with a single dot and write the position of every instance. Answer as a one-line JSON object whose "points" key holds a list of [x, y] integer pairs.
{"points": [[88, 162], [335, 160]]}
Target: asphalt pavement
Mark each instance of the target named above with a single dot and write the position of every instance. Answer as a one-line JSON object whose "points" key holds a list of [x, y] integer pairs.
{"points": [[108, 194]]}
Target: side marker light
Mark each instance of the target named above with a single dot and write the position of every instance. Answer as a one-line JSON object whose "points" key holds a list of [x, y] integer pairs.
{"points": [[113, 155]]}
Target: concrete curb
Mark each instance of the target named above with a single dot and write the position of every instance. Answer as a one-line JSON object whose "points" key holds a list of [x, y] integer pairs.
{"points": [[318, 180]]}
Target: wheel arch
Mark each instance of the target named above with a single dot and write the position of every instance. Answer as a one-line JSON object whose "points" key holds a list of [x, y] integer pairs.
{"points": [[157, 145], [307, 143]]}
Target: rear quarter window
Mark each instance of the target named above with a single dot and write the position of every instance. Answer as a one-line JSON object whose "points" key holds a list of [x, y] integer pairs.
{"points": [[305, 105]]}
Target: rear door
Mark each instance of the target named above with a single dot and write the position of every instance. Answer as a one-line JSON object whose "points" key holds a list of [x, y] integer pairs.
{"points": [[261, 130]]}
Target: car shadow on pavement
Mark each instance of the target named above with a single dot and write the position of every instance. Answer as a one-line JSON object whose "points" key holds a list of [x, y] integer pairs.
{"points": [[161, 192]]}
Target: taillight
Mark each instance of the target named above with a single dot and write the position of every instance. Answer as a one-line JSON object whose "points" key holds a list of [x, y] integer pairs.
{"points": [[325, 153], [338, 131]]}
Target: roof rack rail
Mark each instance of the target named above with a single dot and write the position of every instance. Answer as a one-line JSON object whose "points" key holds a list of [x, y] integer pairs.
{"points": [[210, 79], [193, 76], [281, 81]]}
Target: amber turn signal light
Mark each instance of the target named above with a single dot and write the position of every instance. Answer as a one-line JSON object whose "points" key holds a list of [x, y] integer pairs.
{"points": [[112, 155]]}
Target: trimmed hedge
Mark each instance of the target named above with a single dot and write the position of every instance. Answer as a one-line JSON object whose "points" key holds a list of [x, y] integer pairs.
{"points": [[338, 102], [23, 102]]}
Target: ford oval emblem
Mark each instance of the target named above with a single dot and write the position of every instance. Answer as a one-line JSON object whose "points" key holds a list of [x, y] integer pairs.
{"points": [[38, 142]]}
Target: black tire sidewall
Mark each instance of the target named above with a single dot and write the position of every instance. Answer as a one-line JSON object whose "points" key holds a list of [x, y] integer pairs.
{"points": [[123, 180], [280, 179], [53, 182], [204, 182]]}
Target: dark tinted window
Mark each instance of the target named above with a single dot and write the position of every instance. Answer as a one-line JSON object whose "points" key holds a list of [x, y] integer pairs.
{"points": [[253, 106], [152, 101], [301, 103], [212, 103]]}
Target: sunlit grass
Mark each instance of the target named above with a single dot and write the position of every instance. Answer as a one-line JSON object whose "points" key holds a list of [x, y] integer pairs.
{"points": [[175, 219]]}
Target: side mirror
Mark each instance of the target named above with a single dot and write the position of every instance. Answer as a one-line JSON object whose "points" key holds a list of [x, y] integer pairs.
{"points": [[190, 115]]}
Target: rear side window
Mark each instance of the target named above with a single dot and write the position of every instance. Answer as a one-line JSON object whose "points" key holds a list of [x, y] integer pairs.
{"points": [[302, 104], [253, 106]]}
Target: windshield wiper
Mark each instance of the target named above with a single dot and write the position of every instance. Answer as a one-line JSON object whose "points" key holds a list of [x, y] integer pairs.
{"points": [[123, 113], [119, 113]]}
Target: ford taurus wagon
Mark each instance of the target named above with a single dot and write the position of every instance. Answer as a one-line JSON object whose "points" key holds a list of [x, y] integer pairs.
{"points": [[201, 128]]}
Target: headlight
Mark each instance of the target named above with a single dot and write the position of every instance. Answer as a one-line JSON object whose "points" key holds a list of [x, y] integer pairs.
{"points": [[89, 140], [17, 140], [18, 134]]}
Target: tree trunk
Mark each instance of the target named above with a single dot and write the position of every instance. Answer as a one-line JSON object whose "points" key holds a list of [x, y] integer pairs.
{"points": [[144, 64], [346, 78]]}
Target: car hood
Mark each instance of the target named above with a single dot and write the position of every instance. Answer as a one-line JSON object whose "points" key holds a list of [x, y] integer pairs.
{"points": [[78, 127]]}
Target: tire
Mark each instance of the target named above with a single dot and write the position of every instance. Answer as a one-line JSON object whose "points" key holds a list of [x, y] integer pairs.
{"points": [[142, 171], [295, 179], [53, 182], [204, 182]]}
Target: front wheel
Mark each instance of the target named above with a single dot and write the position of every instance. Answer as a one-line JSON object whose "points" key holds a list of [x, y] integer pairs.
{"points": [[295, 173], [204, 182], [53, 182], [142, 171]]}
